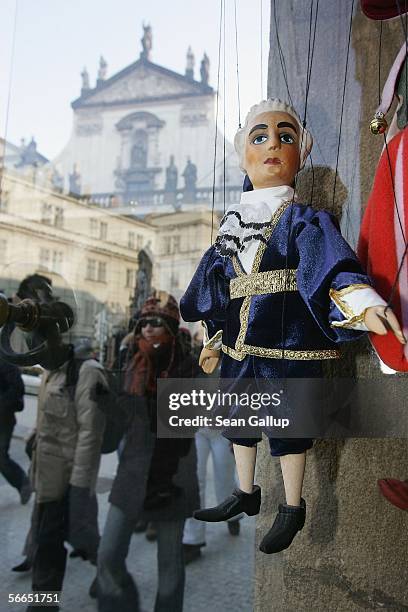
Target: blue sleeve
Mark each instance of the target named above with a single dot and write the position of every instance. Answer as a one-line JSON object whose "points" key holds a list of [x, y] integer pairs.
{"points": [[207, 296], [326, 261]]}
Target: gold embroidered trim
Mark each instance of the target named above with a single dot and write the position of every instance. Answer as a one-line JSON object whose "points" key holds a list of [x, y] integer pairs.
{"points": [[259, 351], [244, 311], [209, 343], [349, 323], [350, 288], [261, 283], [344, 308], [237, 267]]}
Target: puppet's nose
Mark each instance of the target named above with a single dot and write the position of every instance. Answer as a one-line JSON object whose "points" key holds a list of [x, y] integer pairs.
{"points": [[275, 143]]}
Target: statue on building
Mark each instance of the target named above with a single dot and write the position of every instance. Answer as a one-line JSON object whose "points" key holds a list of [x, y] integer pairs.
{"points": [[85, 80], [190, 180], [171, 176], [29, 155], [143, 286], [75, 182], [138, 155], [170, 187], [147, 43], [57, 180], [205, 69], [103, 68], [190, 64]]}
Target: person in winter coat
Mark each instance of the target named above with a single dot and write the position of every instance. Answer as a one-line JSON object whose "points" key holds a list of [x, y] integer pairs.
{"points": [[66, 456], [11, 401], [156, 478]]}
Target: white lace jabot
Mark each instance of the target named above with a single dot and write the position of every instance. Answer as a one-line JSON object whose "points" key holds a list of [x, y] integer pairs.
{"points": [[246, 223]]}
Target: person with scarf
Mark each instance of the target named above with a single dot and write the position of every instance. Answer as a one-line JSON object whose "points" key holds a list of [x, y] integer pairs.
{"points": [[156, 478], [277, 292]]}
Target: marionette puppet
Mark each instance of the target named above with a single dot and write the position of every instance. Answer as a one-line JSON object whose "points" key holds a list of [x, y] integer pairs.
{"points": [[384, 229], [272, 252], [383, 235]]}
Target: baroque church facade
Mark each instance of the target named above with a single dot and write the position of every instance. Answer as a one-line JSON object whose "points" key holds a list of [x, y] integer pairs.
{"points": [[144, 139]]}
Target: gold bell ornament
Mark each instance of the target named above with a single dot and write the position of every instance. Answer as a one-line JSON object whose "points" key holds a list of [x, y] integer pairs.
{"points": [[379, 124]]}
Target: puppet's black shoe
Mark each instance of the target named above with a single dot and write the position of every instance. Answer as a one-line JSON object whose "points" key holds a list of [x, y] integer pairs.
{"points": [[289, 521], [238, 502]]}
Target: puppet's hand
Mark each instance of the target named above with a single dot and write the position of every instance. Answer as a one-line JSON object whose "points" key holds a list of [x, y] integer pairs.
{"points": [[380, 319], [209, 359]]}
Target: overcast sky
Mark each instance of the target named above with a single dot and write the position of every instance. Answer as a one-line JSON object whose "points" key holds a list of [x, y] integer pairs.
{"points": [[55, 39]]}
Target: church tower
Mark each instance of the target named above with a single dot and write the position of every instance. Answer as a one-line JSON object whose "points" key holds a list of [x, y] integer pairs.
{"points": [[144, 137]]}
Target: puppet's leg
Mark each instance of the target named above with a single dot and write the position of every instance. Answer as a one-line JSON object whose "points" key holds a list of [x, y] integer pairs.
{"points": [[291, 516], [245, 459], [293, 470], [246, 499]]}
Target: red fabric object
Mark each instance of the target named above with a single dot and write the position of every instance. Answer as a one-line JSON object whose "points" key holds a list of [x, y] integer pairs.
{"points": [[148, 362], [383, 9], [381, 244], [395, 491]]}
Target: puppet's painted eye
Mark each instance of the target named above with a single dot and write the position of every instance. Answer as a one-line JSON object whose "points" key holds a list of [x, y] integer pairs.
{"points": [[260, 139], [286, 138]]}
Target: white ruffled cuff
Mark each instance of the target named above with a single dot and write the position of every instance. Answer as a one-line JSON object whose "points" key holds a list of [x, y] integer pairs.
{"points": [[353, 302], [215, 342]]}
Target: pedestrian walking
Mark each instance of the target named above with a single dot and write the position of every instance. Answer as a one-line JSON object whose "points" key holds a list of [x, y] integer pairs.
{"points": [[156, 479], [11, 401], [66, 456], [210, 442]]}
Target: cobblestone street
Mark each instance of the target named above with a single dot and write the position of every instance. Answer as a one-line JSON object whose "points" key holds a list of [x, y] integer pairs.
{"points": [[222, 579]]}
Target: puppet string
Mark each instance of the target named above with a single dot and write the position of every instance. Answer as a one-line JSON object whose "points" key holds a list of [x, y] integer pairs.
{"points": [[223, 140], [342, 107], [310, 57], [216, 118], [237, 63], [13, 48]]}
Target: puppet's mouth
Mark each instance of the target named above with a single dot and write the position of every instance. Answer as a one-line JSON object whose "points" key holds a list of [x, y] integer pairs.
{"points": [[273, 161]]}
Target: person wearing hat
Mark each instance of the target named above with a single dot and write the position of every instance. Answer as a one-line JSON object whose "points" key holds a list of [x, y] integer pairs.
{"points": [[156, 478], [277, 292]]}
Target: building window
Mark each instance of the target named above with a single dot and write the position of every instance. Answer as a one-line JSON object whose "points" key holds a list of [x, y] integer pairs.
{"points": [[57, 259], [93, 226], [166, 245], [131, 240], [44, 259], [171, 245], [89, 312], [130, 278], [174, 281], [139, 242], [91, 269], [176, 244], [103, 231], [3, 250], [4, 201], [46, 214], [102, 272], [59, 216]]}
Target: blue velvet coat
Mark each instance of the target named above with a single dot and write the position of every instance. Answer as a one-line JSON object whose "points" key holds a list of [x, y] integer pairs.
{"points": [[304, 257]]}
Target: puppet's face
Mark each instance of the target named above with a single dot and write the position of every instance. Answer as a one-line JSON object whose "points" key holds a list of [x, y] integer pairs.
{"points": [[272, 150]]}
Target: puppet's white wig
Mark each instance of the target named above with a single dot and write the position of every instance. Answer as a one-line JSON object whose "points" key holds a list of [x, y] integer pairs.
{"points": [[272, 104]]}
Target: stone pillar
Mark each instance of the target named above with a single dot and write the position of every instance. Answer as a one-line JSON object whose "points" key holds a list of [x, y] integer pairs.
{"points": [[352, 554]]}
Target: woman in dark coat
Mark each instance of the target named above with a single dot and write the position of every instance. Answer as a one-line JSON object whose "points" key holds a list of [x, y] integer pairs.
{"points": [[156, 478]]}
